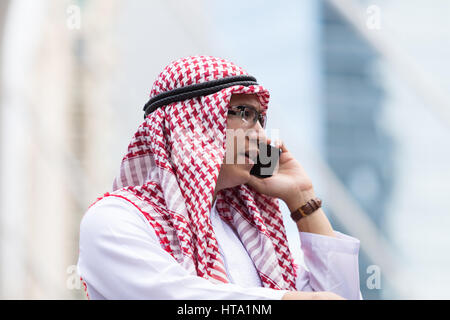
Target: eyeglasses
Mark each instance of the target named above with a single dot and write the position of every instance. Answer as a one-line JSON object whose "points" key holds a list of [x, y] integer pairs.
{"points": [[249, 115]]}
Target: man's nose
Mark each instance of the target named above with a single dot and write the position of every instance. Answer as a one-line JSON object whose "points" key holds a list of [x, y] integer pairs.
{"points": [[257, 133]]}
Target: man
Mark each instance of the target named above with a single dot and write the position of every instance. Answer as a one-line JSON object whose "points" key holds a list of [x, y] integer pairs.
{"points": [[187, 220]]}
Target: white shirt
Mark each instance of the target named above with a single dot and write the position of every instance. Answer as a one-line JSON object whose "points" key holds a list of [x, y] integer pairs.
{"points": [[120, 258]]}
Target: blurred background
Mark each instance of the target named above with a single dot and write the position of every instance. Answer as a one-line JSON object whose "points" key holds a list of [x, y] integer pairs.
{"points": [[359, 93]]}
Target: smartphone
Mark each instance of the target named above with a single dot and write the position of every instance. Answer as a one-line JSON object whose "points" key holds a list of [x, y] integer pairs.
{"points": [[266, 162]]}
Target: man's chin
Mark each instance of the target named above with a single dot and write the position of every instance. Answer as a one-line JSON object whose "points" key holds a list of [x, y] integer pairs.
{"points": [[240, 174], [245, 169]]}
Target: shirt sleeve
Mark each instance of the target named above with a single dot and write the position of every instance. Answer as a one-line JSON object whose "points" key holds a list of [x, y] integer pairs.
{"points": [[331, 264], [121, 258]]}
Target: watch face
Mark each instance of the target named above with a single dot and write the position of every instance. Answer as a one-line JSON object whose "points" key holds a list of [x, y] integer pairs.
{"points": [[266, 161]]}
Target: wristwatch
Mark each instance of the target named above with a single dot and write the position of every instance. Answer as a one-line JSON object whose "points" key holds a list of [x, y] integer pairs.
{"points": [[305, 210]]}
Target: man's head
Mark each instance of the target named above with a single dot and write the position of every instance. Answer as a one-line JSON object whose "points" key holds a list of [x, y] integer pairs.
{"points": [[213, 114]]}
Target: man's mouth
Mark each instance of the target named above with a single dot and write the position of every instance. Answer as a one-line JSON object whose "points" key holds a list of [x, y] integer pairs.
{"points": [[251, 155]]}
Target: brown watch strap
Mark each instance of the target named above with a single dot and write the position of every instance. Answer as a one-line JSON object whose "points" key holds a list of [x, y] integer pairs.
{"points": [[305, 210]]}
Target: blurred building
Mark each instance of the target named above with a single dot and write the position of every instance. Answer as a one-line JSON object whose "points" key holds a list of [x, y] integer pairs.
{"points": [[45, 127], [76, 75], [357, 149], [415, 42]]}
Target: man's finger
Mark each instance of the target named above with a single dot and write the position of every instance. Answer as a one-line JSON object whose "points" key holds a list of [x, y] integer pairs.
{"points": [[282, 146]]}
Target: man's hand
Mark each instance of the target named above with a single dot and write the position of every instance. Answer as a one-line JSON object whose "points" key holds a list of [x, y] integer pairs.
{"points": [[318, 295], [289, 180]]}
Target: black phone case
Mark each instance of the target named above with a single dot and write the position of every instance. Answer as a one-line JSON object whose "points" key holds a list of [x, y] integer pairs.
{"points": [[267, 160]]}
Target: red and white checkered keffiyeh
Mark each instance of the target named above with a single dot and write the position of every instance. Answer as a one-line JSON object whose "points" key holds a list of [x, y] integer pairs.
{"points": [[170, 170]]}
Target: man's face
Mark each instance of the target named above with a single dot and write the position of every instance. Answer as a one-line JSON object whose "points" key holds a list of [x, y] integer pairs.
{"points": [[241, 144]]}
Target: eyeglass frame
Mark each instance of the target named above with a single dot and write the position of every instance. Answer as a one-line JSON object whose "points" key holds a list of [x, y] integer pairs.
{"points": [[259, 116]]}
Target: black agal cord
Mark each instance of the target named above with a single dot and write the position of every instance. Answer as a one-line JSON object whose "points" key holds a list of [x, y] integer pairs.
{"points": [[196, 90]]}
